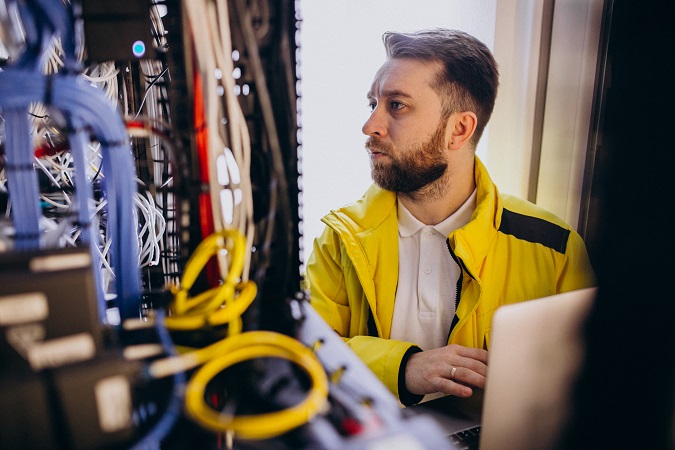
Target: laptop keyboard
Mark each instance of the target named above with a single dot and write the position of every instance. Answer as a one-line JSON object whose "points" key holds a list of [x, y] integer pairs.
{"points": [[466, 439]]}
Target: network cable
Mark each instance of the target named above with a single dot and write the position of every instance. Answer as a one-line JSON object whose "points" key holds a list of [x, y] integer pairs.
{"points": [[164, 425], [21, 179], [224, 151], [88, 105]]}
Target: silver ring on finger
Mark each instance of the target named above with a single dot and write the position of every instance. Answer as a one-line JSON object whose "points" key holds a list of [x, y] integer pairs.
{"points": [[452, 372]]}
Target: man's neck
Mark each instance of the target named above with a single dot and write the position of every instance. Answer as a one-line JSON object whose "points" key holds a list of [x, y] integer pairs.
{"points": [[436, 202]]}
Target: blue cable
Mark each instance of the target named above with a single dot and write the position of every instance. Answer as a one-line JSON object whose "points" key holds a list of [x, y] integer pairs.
{"points": [[79, 144], [119, 183], [35, 38], [43, 20], [58, 17], [22, 180], [87, 113], [88, 106], [173, 411]]}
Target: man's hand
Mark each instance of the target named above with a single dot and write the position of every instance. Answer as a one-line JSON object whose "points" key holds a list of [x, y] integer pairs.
{"points": [[451, 369]]}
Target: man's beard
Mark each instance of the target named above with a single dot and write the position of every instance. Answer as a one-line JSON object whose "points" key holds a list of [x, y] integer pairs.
{"points": [[409, 173]]}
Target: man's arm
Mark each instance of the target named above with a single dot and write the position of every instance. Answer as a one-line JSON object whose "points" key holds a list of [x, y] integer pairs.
{"points": [[330, 298]]}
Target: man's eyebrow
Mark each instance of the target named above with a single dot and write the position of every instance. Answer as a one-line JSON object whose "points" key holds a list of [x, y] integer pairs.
{"points": [[389, 93]]}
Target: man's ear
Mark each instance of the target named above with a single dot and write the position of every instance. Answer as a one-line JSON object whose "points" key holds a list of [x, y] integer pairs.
{"points": [[460, 129]]}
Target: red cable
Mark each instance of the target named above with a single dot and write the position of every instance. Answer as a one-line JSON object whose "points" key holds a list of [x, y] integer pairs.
{"points": [[205, 207]]}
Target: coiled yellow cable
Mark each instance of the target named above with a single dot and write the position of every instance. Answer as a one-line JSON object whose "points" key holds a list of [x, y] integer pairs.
{"points": [[221, 304], [225, 304], [250, 345]]}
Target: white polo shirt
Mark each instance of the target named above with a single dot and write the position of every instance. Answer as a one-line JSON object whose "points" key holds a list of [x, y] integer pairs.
{"points": [[427, 278]]}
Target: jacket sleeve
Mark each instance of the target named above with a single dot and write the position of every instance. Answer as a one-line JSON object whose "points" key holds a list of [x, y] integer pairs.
{"points": [[329, 294], [577, 273], [326, 282], [387, 359]]}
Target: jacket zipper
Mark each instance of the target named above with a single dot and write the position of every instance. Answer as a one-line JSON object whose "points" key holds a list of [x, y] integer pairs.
{"points": [[458, 290]]}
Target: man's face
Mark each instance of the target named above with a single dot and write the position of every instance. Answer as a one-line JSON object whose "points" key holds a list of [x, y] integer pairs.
{"points": [[406, 131], [416, 167]]}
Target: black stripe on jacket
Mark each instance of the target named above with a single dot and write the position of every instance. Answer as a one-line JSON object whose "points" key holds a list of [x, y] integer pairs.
{"points": [[372, 328], [535, 230]]}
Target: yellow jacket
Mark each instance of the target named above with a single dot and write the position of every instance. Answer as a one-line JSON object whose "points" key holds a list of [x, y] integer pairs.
{"points": [[510, 251]]}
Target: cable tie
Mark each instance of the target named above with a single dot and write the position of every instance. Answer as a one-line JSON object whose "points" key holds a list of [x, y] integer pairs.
{"points": [[75, 130], [110, 144], [26, 167], [48, 90], [26, 235]]}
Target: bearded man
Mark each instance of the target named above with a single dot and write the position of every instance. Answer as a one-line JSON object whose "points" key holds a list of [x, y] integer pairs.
{"points": [[411, 274]]}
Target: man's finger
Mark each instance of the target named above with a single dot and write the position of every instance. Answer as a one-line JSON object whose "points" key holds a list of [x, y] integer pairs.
{"points": [[450, 387], [472, 364], [469, 377], [474, 353]]}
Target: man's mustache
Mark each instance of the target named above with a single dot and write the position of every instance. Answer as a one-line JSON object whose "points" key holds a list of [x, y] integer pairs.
{"points": [[375, 145]]}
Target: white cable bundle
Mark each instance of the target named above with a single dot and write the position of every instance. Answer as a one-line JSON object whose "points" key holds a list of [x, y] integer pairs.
{"points": [[229, 167]]}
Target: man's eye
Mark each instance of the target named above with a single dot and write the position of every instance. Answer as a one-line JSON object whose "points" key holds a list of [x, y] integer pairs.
{"points": [[396, 105], [372, 106]]}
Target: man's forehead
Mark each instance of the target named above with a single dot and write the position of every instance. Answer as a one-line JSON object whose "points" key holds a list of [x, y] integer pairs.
{"points": [[402, 76]]}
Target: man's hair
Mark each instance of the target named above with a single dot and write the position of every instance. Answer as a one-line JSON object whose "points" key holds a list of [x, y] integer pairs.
{"points": [[469, 78]]}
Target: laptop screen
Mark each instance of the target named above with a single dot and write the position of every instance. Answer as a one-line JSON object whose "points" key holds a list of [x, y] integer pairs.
{"points": [[536, 352]]}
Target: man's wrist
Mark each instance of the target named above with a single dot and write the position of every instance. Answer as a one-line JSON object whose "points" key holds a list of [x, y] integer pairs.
{"points": [[406, 397]]}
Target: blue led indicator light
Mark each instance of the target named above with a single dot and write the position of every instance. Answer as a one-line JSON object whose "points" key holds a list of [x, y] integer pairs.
{"points": [[138, 48]]}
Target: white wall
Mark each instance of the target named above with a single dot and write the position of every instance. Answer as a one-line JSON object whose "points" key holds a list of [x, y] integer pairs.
{"points": [[340, 50]]}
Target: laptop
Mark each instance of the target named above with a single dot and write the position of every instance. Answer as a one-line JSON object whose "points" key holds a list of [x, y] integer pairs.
{"points": [[535, 353]]}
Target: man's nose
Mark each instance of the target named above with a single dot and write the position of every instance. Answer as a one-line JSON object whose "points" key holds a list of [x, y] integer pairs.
{"points": [[376, 124]]}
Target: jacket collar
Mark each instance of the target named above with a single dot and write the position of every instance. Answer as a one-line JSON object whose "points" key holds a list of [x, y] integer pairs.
{"points": [[369, 215], [368, 229], [471, 242]]}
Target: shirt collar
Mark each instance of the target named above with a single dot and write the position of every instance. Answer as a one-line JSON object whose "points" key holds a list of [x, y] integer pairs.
{"points": [[409, 225]]}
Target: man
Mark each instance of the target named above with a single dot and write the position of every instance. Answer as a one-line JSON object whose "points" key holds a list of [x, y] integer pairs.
{"points": [[411, 274]]}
